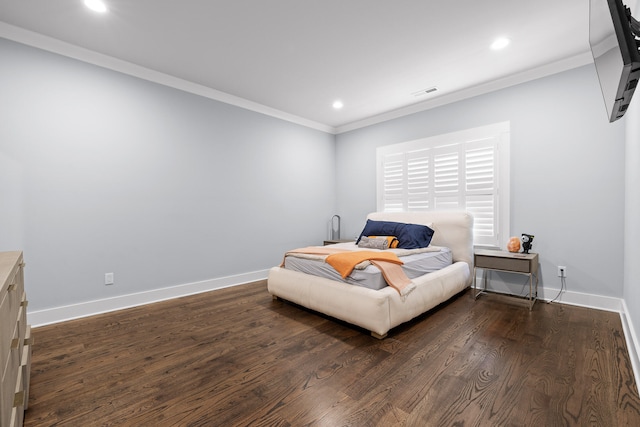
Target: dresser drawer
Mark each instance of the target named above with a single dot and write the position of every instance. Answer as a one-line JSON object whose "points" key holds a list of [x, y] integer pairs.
{"points": [[26, 365], [9, 305], [14, 356], [11, 383], [14, 279], [7, 326], [7, 393], [21, 329], [17, 407]]}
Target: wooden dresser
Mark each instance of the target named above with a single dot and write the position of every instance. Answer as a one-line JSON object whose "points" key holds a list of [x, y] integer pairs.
{"points": [[15, 341]]}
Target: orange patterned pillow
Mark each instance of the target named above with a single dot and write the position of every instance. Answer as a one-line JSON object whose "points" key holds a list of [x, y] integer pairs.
{"points": [[392, 241]]}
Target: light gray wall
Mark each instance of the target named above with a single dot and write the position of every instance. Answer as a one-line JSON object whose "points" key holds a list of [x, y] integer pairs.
{"points": [[567, 173], [632, 210], [102, 172], [632, 216], [11, 197]]}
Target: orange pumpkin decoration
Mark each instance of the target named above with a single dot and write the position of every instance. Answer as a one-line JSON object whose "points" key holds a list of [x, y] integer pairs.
{"points": [[514, 244]]}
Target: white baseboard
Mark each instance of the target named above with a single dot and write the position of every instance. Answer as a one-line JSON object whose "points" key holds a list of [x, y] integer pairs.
{"points": [[90, 308], [598, 302], [632, 342]]}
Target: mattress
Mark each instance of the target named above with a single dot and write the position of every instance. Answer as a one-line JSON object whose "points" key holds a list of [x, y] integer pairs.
{"points": [[416, 263]]}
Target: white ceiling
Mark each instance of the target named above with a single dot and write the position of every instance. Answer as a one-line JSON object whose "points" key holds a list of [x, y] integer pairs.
{"points": [[293, 58]]}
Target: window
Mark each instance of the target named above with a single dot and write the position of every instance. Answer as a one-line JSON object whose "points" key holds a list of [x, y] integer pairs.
{"points": [[466, 170]]}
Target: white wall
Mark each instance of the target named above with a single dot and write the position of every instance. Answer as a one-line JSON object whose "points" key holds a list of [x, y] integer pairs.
{"points": [[567, 174], [632, 221], [102, 172]]}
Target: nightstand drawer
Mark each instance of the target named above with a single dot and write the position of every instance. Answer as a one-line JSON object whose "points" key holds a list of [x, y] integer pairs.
{"points": [[507, 264]]}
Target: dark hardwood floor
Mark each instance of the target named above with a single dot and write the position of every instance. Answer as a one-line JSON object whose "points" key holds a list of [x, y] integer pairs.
{"points": [[235, 357]]}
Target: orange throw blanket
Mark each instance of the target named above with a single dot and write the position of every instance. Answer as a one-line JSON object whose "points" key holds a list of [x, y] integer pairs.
{"points": [[345, 261]]}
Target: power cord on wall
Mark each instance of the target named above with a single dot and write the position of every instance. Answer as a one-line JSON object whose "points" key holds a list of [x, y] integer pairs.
{"points": [[562, 286], [522, 290], [526, 282]]}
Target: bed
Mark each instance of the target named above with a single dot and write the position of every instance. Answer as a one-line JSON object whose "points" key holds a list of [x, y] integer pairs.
{"points": [[379, 310]]}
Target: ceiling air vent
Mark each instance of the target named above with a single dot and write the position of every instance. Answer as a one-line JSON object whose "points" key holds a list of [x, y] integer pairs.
{"points": [[425, 91]]}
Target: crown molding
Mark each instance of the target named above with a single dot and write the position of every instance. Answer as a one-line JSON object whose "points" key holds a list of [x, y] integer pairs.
{"points": [[40, 41], [491, 86]]}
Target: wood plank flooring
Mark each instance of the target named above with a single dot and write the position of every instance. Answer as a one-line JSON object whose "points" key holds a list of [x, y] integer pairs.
{"points": [[235, 357]]}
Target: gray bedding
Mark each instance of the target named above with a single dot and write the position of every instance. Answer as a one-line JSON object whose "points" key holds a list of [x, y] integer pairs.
{"points": [[415, 265]]}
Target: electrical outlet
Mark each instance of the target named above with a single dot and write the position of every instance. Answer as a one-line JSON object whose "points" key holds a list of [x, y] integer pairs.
{"points": [[562, 271], [108, 278]]}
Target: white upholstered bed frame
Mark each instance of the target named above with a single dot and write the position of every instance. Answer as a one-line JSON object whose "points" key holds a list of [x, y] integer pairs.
{"points": [[380, 310]]}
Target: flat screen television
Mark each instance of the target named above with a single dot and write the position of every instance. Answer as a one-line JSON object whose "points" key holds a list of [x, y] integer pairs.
{"points": [[613, 40]]}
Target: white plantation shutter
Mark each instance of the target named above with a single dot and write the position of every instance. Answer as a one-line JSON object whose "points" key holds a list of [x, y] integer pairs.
{"points": [[393, 183], [481, 192], [418, 167], [446, 178], [466, 170]]}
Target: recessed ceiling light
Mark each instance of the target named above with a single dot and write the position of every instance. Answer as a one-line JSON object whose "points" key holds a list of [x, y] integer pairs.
{"points": [[500, 43], [96, 5], [338, 104]]}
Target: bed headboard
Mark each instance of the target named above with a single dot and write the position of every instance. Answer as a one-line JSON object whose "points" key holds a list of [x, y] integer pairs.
{"points": [[453, 229]]}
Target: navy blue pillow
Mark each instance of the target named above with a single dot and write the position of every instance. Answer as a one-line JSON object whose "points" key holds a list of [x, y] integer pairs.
{"points": [[410, 236]]}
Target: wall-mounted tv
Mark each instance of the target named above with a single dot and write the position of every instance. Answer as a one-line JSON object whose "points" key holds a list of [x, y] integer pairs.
{"points": [[613, 36]]}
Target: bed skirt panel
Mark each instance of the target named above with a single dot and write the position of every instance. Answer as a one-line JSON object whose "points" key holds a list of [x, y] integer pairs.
{"points": [[375, 310]]}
